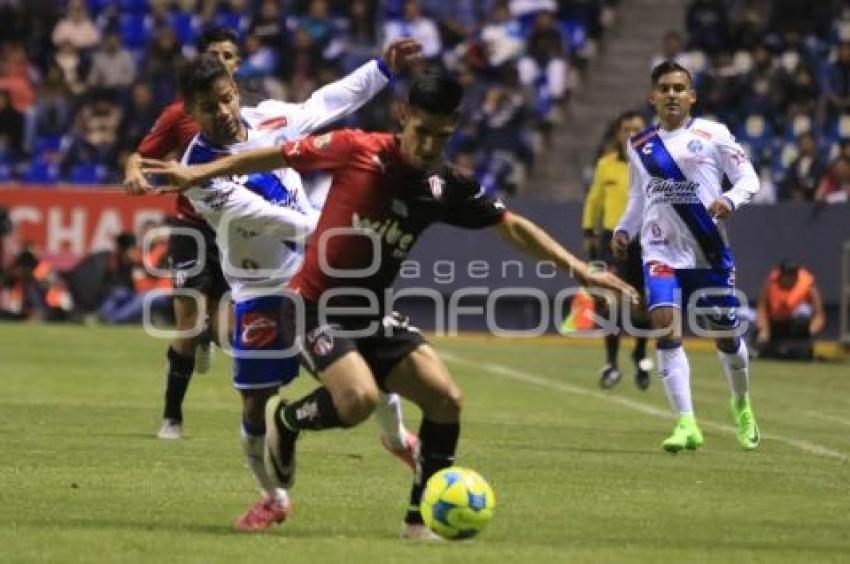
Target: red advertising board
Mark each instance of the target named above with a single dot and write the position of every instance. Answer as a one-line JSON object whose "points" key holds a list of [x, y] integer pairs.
{"points": [[72, 222]]}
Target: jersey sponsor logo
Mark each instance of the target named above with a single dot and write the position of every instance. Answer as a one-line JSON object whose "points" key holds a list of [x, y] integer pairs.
{"points": [[701, 133], [647, 149], [389, 231], [216, 200], [660, 270], [436, 184], [322, 141], [273, 123], [259, 330], [666, 191]]}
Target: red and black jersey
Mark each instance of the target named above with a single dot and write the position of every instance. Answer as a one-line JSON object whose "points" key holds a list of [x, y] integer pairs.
{"points": [[168, 138], [376, 209]]}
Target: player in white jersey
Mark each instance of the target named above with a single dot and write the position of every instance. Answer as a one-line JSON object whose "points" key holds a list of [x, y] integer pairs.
{"points": [[677, 207], [260, 222]]}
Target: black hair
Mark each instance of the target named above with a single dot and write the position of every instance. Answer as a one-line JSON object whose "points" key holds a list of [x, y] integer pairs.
{"points": [[435, 93], [216, 35], [627, 115], [125, 240], [788, 267], [668, 67], [198, 76]]}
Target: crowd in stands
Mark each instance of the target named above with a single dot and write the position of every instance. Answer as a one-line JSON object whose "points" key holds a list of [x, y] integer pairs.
{"points": [[82, 81], [778, 73]]}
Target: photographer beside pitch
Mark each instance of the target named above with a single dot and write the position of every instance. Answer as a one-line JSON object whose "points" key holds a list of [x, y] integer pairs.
{"points": [[379, 180]]}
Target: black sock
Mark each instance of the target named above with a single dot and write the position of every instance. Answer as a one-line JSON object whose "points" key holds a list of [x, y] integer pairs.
{"points": [[612, 347], [437, 446], [314, 411], [640, 349], [179, 373]]}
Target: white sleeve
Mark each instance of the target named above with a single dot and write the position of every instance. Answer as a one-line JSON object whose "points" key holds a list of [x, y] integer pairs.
{"points": [[223, 202], [341, 98], [632, 219], [738, 168]]}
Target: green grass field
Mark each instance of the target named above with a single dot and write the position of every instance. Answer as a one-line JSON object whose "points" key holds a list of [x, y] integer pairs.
{"points": [[579, 474]]}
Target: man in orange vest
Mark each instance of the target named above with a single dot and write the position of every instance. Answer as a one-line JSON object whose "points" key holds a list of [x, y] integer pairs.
{"points": [[790, 313]]}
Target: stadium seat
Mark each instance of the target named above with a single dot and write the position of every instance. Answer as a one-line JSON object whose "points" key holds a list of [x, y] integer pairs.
{"points": [[87, 173], [136, 7], [185, 27], [135, 30], [40, 171], [756, 132]]}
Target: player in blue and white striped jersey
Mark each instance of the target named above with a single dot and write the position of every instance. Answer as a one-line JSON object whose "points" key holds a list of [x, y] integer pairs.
{"points": [[261, 220], [677, 207]]}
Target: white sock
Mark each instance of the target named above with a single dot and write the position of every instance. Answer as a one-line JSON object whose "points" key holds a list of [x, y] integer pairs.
{"points": [[736, 366], [389, 417], [252, 446], [676, 377]]}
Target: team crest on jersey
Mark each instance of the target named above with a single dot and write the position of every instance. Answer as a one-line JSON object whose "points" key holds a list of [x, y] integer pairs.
{"points": [[436, 183], [655, 229], [321, 339], [695, 146], [322, 141]]}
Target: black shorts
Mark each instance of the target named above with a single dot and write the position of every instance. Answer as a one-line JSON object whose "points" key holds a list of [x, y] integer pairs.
{"points": [[320, 345], [630, 269], [184, 256]]}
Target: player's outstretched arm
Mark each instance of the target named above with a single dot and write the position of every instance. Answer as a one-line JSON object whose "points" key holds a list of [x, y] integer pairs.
{"points": [[181, 177], [534, 241], [135, 183]]}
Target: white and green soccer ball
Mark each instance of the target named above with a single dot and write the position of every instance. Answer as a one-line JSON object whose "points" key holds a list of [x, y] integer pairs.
{"points": [[457, 503]]}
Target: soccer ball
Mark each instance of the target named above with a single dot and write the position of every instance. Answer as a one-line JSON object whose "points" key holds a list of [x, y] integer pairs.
{"points": [[457, 503]]}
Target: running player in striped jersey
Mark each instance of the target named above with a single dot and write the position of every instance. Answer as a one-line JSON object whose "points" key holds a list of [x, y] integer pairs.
{"points": [[677, 208]]}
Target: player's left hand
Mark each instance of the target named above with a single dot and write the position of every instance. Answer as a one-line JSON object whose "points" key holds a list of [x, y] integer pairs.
{"points": [[720, 208], [180, 177], [403, 55], [609, 281]]}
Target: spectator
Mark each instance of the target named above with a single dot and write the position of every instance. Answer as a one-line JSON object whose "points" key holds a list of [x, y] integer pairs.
{"points": [[162, 64], [805, 171], [269, 25], [11, 125], [76, 27], [68, 59], [138, 119], [837, 83], [113, 67], [502, 36], [53, 106], [300, 67], [762, 89], [95, 132], [544, 67], [672, 49], [834, 187], [360, 38], [707, 25], [415, 25], [790, 313], [17, 76]]}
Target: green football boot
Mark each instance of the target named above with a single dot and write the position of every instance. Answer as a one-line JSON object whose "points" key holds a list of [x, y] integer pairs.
{"points": [[746, 428], [686, 434]]}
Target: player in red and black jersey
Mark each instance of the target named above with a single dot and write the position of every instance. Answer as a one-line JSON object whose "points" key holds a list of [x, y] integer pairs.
{"points": [[386, 190], [168, 138]]}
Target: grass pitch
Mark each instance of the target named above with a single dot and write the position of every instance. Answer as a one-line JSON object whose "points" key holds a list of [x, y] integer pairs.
{"points": [[579, 474]]}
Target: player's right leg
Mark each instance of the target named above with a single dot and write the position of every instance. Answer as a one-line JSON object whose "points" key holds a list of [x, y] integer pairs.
{"points": [[261, 367], [181, 364], [664, 303]]}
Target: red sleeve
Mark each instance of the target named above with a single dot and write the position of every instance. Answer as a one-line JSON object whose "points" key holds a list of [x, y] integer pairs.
{"points": [[321, 152], [164, 137]]}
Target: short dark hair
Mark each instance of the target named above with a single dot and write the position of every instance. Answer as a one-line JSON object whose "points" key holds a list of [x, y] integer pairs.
{"points": [[788, 267], [668, 67], [627, 115], [199, 75], [216, 35], [435, 93]]}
